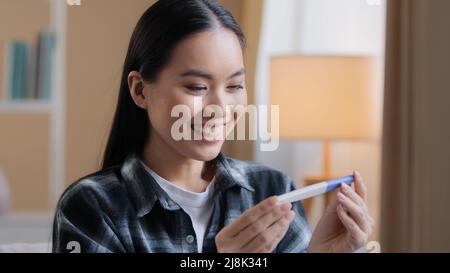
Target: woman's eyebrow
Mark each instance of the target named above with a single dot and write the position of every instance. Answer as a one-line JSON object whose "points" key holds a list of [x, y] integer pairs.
{"points": [[236, 74], [202, 74], [197, 73]]}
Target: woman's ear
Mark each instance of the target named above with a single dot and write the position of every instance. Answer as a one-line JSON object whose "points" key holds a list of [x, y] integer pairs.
{"points": [[136, 86]]}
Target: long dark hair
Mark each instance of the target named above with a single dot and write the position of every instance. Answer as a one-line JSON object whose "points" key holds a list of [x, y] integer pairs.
{"points": [[159, 30]]}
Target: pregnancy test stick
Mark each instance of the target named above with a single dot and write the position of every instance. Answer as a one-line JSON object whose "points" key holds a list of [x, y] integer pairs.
{"points": [[314, 190]]}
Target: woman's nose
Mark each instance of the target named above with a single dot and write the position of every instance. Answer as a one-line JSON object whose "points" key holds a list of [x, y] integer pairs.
{"points": [[216, 105]]}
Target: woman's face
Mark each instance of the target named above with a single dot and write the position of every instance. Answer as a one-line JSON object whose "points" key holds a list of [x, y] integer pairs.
{"points": [[208, 66]]}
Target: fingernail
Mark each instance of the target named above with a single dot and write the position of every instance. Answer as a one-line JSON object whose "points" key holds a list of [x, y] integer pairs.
{"points": [[290, 215], [285, 207]]}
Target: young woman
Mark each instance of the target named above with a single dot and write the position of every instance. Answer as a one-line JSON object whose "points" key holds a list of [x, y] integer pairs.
{"points": [[158, 194]]}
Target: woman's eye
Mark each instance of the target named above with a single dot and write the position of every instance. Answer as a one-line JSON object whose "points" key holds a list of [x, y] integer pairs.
{"points": [[196, 88], [236, 87]]}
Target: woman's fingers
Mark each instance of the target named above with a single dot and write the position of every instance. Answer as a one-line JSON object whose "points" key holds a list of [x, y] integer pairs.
{"points": [[251, 221], [276, 233], [250, 216], [260, 225], [350, 193], [267, 240], [360, 188], [357, 213], [357, 236]]}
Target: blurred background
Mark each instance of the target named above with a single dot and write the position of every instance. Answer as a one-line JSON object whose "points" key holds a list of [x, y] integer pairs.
{"points": [[362, 85]]}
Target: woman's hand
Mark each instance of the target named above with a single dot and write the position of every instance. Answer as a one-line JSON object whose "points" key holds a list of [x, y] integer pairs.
{"points": [[346, 224], [258, 229]]}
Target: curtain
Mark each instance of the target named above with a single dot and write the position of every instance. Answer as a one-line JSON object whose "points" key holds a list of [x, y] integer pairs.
{"points": [[416, 153]]}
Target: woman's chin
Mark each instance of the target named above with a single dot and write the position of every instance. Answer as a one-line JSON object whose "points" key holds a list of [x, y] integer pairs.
{"points": [[205, 150]]}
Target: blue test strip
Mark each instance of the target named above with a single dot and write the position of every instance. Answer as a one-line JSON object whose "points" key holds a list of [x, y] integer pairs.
{"points": [[315, 189], [336, 183]]}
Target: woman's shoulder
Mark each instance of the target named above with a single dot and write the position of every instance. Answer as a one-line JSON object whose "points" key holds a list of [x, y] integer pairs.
{"points": [[95, 187]]}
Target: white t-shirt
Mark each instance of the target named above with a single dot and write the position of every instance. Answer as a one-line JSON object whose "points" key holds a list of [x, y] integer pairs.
{"points": [[198, 206]]}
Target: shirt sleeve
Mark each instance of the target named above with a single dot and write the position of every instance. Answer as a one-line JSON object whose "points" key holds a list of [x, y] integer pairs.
{"points": [[81, 225], [299, 233]]}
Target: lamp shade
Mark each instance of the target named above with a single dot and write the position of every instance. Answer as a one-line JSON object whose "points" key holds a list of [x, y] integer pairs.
{"points": [[323, 97]]}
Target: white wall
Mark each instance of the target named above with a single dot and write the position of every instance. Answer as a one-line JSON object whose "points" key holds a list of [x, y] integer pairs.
{"points": [[343, 27], [26, 228]]}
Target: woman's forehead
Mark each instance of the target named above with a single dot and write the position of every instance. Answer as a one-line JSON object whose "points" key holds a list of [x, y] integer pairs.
{"points": [[216, 51]]}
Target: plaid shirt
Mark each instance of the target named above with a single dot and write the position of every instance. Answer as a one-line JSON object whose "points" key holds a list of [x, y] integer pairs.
{"points": [[123, 209]]}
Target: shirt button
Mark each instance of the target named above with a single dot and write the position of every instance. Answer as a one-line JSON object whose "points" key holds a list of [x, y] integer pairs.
{"points": [[190, 239]]}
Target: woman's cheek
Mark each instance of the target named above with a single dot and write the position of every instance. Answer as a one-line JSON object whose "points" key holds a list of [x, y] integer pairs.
{"points": [[242, 98], [240, 103], [159, 114], [171, 120]]}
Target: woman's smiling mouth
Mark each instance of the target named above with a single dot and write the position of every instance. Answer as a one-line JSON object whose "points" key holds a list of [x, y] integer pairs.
{"points": [[210, 131]]}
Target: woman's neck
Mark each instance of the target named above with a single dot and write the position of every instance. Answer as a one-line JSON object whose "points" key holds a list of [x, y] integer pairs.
{"points": [[189, 174]]}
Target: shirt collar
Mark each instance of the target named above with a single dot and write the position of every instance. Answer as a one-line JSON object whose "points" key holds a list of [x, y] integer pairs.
{"points": [[231, 174], [145, 191]]}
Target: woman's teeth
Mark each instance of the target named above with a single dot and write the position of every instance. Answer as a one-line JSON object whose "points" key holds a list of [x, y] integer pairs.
{"points": [[207, 131]]}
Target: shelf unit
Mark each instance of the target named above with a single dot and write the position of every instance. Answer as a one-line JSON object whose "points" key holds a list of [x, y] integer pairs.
{"points": [[27, 106], [57, 118], [55, 108]]}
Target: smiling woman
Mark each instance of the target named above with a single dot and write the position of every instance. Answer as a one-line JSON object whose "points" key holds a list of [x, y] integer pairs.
{"points": [[155, 193], [208, 64]]}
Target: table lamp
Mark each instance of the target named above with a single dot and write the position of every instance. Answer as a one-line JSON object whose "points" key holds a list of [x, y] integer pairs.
{"points": [[323, 98]]}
